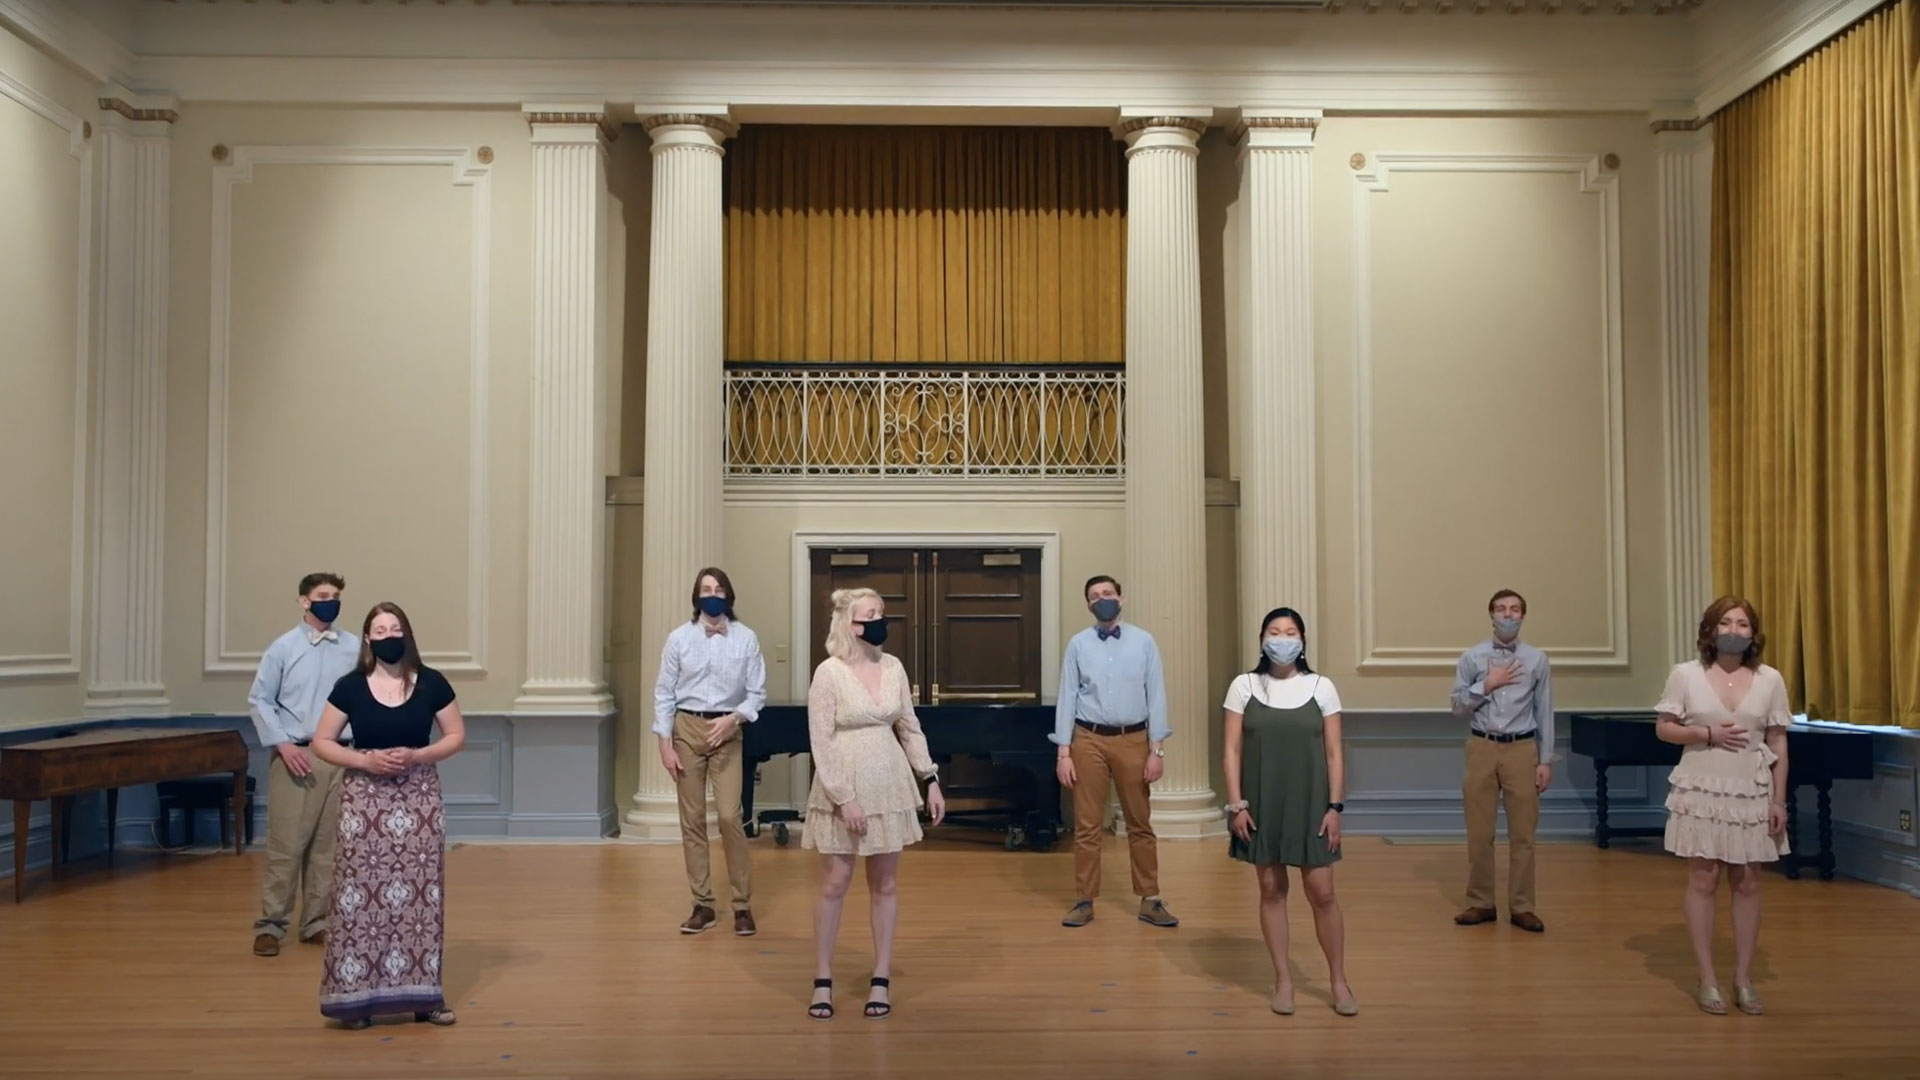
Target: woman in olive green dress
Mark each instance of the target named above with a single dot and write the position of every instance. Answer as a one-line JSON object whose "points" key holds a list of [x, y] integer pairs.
{"points": [[1285, 775]]}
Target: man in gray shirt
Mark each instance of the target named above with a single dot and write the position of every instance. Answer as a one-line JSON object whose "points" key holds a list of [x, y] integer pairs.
{"points": [[297, 672], [1504, 688]]}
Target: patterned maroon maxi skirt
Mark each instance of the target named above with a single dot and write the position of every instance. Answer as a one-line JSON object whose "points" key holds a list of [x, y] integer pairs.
{"points": [[387, 927]]}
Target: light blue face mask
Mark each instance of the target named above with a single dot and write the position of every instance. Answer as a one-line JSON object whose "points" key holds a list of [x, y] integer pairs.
{"points": [[1507, 629], [1281, 650]]}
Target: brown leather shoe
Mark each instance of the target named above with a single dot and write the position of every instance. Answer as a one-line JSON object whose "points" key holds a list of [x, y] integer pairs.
{"points": [[1474, 916], [317, 939], [1155, 912], [1528, 921], [266, 945], [743, 924], [701, 919], [1080, 915]]}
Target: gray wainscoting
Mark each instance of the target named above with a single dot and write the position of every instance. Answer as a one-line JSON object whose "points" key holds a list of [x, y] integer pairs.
{"points": [[546, 778]]}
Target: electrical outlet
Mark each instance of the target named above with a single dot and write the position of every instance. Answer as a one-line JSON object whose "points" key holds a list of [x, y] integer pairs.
{"points": [[1906, 821]]}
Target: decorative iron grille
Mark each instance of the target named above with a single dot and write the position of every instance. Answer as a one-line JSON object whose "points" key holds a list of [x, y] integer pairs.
{"points": [[803, 420]]}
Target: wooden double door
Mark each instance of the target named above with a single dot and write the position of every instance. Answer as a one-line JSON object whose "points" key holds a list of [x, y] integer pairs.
{"points": [[965, 622]]}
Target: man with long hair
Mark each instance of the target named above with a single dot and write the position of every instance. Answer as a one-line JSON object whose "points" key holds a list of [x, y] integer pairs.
{"points": [[712, 680]]}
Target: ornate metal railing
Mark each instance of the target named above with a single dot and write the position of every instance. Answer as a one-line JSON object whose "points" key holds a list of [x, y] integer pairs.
{"points": [[880, 420]]}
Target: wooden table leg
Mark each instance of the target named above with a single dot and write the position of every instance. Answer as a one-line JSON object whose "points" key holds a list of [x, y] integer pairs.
{"points": [[113, 812], [239, 808], [61, 807], [22, 810]]}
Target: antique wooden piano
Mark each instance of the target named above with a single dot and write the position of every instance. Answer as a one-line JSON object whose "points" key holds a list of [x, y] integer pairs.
{"points": [[1006, 734], [1815, 755], [108, 759]]}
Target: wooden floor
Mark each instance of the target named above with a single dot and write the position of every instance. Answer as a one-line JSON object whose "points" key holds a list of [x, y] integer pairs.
{"points": [[564, 962]]}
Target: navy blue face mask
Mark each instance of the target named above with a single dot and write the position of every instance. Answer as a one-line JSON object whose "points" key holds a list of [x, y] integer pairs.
{"points": [[389, 650], [712, 606], [325, 610], [873, 632]]}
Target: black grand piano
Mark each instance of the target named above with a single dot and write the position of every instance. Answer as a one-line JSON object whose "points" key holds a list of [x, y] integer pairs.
{"points": [[1010, 735], [1815, 755]]}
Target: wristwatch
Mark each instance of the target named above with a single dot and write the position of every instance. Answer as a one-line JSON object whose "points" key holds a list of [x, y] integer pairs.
{"points": [[1161, 752], [1337, 807]]}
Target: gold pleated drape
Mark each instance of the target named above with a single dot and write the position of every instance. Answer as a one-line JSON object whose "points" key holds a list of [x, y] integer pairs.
{"points": [[925, 245], [1814, 368], [857, 253]]}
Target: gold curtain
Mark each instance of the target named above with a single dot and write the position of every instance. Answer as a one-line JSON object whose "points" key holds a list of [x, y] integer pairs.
{"points": [[925, 245], [1814, 368]]}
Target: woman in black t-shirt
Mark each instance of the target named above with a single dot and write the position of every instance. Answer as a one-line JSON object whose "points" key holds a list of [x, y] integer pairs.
{"points": [[388, 924]]}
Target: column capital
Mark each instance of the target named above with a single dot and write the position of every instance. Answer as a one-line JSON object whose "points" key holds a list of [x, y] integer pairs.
{"points": [[138, 114], [1679, 125], [569, 123], [1162, 127], [706, 129], [1275, 128]]}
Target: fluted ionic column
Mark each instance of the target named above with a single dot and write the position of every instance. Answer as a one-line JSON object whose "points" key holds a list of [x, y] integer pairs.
{"points": [[1274, 415], [566, 481], [1166, 557], [130, 436], [686, 414], [1684, 152]]}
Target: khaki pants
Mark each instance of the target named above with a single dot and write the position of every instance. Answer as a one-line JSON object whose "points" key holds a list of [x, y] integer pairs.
{"points": [[724, 767], [1102, 763], [1495, 770], [303, 819]]}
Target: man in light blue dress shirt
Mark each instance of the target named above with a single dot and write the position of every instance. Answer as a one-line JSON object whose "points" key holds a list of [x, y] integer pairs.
{"points": [[1110, 722], [296, 674], [712, 680], [1504, 688]]}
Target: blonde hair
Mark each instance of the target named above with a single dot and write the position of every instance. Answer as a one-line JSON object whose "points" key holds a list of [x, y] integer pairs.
{"points": [[840, 624]]}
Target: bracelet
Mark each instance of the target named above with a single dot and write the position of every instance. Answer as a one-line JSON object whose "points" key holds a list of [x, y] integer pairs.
{"points": [[1235, 807]]}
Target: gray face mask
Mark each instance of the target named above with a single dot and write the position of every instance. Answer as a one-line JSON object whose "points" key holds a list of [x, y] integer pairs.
{"points": [[1506, 629], [1281, 650], [1106, 609], [1732, 644]]}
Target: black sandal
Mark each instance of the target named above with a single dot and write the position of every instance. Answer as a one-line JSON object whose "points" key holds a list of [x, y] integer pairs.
{"points": [[822, 1010], [879, 1010]]}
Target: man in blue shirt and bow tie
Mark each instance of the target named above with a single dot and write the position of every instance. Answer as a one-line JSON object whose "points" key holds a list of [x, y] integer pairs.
{"points": [[1110, 723], [297, 672]]}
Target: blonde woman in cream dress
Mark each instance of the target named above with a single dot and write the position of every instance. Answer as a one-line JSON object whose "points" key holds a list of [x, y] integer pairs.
{"points": [[1728, 804], [867, 752]]}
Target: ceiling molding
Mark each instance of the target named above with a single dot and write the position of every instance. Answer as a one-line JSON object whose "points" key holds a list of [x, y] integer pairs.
{"points": [[671, 84], [55, 27], [1779, 37]]}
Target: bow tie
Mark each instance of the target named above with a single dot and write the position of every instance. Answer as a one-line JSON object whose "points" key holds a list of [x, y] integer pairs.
{"points": [[319, 636], [1505, 647], [1106, 632], [715, 631]]}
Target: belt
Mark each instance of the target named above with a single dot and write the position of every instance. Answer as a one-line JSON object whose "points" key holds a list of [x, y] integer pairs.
{"points": [[1112, 729], [1517, 736], [705, 715], [343, 742]]}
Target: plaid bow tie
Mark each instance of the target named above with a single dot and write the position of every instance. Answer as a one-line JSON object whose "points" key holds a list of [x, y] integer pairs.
{"points": [[715, 631], [319, 636], [1106, 632]]}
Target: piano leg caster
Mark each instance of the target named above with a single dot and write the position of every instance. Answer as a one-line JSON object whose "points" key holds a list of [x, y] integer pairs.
{"points": [[1016, 838], [781, 835]]}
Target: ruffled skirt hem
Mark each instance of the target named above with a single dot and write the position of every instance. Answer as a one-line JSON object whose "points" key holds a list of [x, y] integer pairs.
{"points": [[887, 832]]}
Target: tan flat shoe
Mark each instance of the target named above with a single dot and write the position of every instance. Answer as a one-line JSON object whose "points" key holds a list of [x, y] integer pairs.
{"points": [[1710, 1000], [1281, 1005], [1747, 1000]]}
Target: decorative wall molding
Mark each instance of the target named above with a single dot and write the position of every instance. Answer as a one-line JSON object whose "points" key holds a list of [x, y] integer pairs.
{"points": [[67, 665], [1372, 174], [466, 172], [1684, 158], [800, 665], [1785, 34]]}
